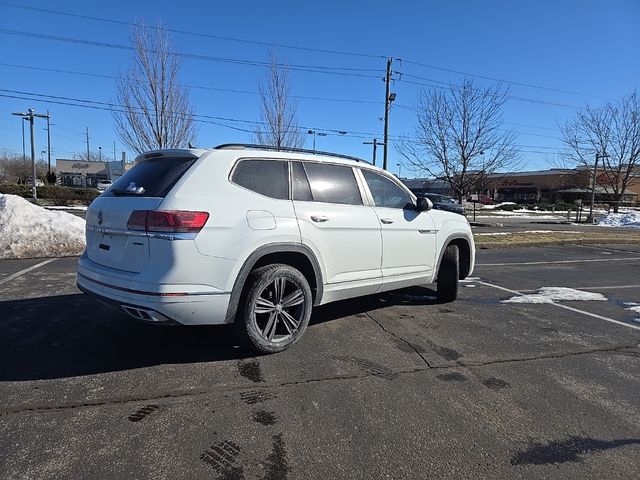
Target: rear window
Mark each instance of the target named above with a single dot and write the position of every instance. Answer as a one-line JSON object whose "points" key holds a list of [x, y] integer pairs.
{"points": [[151, 178], [333, 184]]}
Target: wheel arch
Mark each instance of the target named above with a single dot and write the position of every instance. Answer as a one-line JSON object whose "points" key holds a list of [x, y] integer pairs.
{"points": [[298, 256], [463, 243]]}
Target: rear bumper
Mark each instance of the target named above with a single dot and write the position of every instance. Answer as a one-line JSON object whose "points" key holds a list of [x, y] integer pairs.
{"points": [[155, 303]]}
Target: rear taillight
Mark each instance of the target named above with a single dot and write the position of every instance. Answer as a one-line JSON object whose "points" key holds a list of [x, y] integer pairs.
{"points": [[177, 221]]}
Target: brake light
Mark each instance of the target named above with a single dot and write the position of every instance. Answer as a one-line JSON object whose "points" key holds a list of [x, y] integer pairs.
{"points": [[176, 221]]}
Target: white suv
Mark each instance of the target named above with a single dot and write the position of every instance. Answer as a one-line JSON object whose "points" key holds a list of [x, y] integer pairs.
{"points": [[256, 236]]}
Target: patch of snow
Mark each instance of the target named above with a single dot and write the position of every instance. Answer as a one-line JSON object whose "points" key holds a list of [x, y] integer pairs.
{"points": [[629, 219], [496, 205], [553, 294], [72, 207], [633, 307], [28, 231]]}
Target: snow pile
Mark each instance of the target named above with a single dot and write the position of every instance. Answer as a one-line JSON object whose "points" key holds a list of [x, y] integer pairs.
{"points": [[629, 219], [552, 294], [28, 231]]}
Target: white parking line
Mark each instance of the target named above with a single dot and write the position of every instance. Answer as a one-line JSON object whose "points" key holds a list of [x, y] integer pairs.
{"points": [[566, 307], [558, 261], [26, 270]]}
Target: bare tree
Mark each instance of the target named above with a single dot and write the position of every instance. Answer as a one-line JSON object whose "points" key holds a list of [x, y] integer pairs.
{"points": [[278, 126], [153, 109], [459, 136], [613, 133]]}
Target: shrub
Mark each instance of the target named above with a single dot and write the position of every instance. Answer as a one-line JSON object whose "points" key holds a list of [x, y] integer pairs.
{"points": [[510, 207], [59, 195]]}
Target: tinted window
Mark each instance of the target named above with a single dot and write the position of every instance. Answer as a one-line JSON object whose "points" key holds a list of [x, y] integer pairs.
{"points": [[386, 193], [301, 189], [156, 176], [333, 184], [266, 177]]}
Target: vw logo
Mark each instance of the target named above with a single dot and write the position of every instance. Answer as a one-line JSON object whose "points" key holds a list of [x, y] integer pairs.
{"points": [[100, 217]]}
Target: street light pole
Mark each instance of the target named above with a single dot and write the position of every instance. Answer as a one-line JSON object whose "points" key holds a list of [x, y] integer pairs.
{"points": [[399, 165], [100, 153], [593, 186]]}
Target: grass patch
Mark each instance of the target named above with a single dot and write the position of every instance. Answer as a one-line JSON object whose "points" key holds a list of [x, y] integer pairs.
{"points": [[517, 239]]}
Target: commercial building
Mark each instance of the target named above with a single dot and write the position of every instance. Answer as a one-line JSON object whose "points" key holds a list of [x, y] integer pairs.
{"points": [[548, 186], [79, 173]]}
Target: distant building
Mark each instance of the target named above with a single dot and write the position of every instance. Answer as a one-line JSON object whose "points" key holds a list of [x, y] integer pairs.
{"points": [[79, 173], [554, 185]]}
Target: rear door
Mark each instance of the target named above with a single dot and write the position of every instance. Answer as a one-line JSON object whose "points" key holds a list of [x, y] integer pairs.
{"points": [[109, 242], [408, 236], [335, 222]]}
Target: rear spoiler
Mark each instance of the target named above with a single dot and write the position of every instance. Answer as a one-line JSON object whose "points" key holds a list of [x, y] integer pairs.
{"points": [[172, 153]]}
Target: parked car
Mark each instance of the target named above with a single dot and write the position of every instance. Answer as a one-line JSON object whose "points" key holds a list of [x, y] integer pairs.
{"points": [[442, 202], [102, 185], [257, 237]]}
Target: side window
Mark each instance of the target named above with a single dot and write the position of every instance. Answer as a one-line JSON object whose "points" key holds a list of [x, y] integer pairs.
{"points": [[300, 183], [333, 184], [266, 177], [386, 193]]}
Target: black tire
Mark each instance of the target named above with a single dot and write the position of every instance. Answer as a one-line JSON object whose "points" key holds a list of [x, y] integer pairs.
{"points": [[448, 275], [264, 322]]}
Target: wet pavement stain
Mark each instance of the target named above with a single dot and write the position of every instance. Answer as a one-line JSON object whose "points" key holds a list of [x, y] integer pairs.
{"points": [[569, 450], [452, 377], [256, 396], [368, 366], [445, 352], [251, 369], [265, 418], [142, 413], [495, 383], [222, 457], [277, 464], [446, 310]]}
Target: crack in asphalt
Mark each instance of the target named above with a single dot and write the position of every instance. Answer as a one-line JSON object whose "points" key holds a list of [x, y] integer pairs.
{"points": [[395, 335], [235, 389]]}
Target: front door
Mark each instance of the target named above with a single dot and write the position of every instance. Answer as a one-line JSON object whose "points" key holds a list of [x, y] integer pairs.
{"points": [[408, 236]]}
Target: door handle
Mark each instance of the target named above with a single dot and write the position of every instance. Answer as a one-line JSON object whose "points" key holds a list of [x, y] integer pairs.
{"points": [[319, 218], [386, 221]]}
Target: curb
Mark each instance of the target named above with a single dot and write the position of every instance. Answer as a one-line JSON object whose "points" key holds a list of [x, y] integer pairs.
{"points": [[481, 224], [547, 243]]}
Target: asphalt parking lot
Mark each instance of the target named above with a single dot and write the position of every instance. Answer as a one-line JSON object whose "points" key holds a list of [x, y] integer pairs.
{"points": [[389, 386]]}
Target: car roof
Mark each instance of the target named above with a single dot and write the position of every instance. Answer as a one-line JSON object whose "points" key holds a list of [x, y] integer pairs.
{"points": [[264, 151]]}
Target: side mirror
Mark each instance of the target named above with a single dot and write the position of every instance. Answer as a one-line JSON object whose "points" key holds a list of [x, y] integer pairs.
{"points": [[423, 204]]}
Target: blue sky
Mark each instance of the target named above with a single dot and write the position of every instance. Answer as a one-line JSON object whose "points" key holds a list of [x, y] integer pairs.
{"points": [[581, 46]]}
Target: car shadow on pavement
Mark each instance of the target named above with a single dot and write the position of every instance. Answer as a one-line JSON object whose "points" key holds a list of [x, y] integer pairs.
{"points": [[73, 335], [412, 296]]}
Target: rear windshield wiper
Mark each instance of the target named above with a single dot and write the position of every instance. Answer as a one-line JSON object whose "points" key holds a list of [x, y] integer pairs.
{"points": [[118, 192]]}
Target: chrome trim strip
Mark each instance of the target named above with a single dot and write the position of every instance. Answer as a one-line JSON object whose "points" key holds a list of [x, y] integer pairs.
{"points": [[425, 231], [138, 233]]}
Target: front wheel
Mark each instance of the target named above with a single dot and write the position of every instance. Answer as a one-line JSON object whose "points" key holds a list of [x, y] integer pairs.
{"points": [[448, 274], [276, 308]]}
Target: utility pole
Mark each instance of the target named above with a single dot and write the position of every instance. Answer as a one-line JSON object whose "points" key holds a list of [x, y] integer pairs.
{"points": [[375, 144], [88, 144], [30, 115], [593, 185], [388, 98], [48, 144], [24, 154], [114, 151]]}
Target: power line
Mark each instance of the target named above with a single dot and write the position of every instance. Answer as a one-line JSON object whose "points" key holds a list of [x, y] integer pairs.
{"points": [[202, 87], [253, 63], [509, 97], [198, 34], [307, 49], [510, 82], [212, 119]]}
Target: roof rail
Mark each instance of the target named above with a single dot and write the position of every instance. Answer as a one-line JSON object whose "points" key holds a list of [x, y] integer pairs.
{"points": [[241, 146]]}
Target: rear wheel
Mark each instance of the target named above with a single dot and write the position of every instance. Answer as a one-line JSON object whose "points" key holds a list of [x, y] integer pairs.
{"points": [[448, 274], [276, 308]]}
